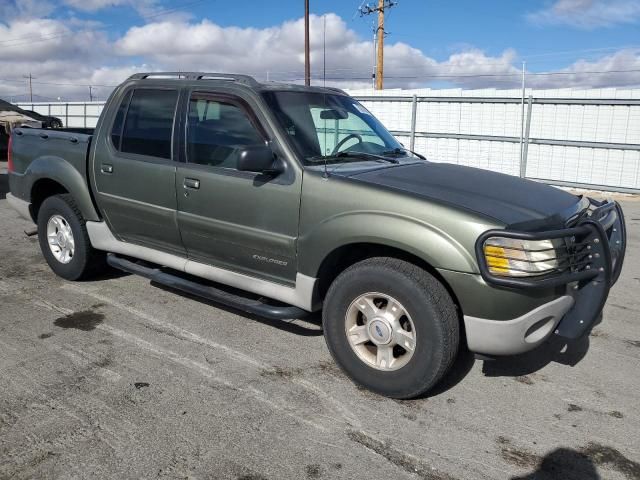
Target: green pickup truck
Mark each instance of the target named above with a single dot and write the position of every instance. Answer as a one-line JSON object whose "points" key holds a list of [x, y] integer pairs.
{"points": [[280, 200]]}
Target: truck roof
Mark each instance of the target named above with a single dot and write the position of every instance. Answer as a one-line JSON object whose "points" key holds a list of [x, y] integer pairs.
{"points": [[245, 80]]}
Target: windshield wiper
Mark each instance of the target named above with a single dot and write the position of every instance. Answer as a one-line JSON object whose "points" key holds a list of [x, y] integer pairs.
{"points": [[403, 151], [355, 155]]}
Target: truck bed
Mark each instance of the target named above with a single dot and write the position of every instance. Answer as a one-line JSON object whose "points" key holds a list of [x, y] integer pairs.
{"points": [[70, 144], [33, 147]]}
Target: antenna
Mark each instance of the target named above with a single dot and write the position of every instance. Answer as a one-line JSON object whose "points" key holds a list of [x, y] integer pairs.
{"points": [[324, 50], [324, 83], [307, 64]]}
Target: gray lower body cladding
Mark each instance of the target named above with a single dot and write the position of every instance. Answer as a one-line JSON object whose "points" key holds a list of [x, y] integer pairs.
{"points": [[510, 337], [302, 295]]}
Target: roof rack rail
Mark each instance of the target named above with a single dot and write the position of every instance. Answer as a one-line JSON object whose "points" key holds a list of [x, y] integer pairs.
{"points": [[234, 77]]}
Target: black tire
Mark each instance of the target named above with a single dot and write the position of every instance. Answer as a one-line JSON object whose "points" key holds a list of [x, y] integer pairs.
{"points": [[428, 304], [86, 261]]}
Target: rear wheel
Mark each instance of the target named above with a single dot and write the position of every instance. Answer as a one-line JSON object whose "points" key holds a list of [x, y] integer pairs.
{"points": [[391, 326], [64, 240]]}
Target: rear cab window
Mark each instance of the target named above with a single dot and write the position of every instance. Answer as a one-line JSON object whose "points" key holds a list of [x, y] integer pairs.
{"points": [[144, 122]]}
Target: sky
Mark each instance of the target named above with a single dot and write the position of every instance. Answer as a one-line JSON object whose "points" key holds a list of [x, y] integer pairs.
{"points": [[69, 45]]}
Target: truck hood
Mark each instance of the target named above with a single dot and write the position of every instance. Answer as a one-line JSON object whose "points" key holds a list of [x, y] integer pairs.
{"points": [[508, 199]]}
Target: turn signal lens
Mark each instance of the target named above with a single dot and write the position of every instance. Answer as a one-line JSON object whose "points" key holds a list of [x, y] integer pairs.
{"points": [[496, 259], [522, 258]]}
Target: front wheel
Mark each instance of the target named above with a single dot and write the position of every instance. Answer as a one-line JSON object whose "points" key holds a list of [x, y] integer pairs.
{"points": [[391, 326], [64, 240]]}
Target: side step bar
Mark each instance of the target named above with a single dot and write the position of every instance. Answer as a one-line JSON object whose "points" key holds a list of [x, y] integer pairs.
{"points": [[248, 305]]}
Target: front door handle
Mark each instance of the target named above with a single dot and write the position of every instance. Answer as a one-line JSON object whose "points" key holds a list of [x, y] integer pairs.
{"points": [[192, 183], [106, 168]]}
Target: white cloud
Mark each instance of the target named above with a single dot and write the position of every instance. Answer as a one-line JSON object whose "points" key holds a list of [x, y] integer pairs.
{"points": [[275, 52], [620, 69], [52, 52], [77, 52], [588, 14], [278, 50], [25, 9], [44, 40], [94, 5]]}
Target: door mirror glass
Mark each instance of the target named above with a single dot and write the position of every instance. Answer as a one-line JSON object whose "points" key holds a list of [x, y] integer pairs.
{"points": [[258, 158]]}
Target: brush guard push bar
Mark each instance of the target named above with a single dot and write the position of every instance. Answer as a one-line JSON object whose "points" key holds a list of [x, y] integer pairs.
{"points": [[591, 264]]}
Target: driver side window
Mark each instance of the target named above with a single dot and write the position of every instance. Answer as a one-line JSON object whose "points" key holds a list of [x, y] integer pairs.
{"points": [[331, 131], [217, 130]]}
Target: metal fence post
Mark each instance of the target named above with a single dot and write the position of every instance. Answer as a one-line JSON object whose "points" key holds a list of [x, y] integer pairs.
{"points": [[85, 115], [525, 143], [66, 115], [414, 111]]}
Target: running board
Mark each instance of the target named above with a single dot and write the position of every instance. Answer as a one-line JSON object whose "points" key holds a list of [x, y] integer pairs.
{"points": [[248, 305]]}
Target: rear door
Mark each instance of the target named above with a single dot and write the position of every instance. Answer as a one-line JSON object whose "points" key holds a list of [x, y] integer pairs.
{"points": [[241, 221], [135, 172]]}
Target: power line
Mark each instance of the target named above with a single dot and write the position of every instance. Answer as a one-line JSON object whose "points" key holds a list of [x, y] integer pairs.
{"points": [[489, 75], [496, 78], [586, 50]]}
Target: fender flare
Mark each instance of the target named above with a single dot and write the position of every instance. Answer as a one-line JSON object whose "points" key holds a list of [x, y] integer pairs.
{"points": [[59, 170], [420, 239]]}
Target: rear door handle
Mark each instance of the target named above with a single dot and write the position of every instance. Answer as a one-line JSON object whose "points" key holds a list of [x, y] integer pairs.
{"points": [[106, 168], [192, 183]]}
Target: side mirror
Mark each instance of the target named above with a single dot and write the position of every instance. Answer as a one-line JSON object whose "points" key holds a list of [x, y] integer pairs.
{"points": [[257, 158]]}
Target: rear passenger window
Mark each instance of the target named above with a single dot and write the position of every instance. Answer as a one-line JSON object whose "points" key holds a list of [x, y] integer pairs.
{"points": [[149, 123], [118, 123], [216, 131]]}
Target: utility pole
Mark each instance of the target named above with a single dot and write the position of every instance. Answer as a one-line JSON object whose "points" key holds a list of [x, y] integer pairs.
{"points": [[307, 64], [30, 87], [380, 9], [90, 94]]}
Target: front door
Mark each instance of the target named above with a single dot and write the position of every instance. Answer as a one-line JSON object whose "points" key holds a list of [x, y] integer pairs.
{"points": [[241, 221], [134, 171]]}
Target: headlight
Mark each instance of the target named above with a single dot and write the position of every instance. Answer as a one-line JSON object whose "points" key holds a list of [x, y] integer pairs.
{"points": [[512, 257]]}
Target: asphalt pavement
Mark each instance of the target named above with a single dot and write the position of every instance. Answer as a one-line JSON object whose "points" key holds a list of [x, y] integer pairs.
{"points": [[117, 378]]}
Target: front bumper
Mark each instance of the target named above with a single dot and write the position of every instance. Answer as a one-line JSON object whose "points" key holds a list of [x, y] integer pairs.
{"points": [[596, 243], [510, 337]]}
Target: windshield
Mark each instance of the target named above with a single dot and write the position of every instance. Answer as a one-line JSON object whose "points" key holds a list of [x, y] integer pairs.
{"points": [[325, 126]]}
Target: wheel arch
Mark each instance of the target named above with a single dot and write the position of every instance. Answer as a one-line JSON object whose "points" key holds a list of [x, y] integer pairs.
{"points": [[342, 257], [52, 176], [42, 189]]}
